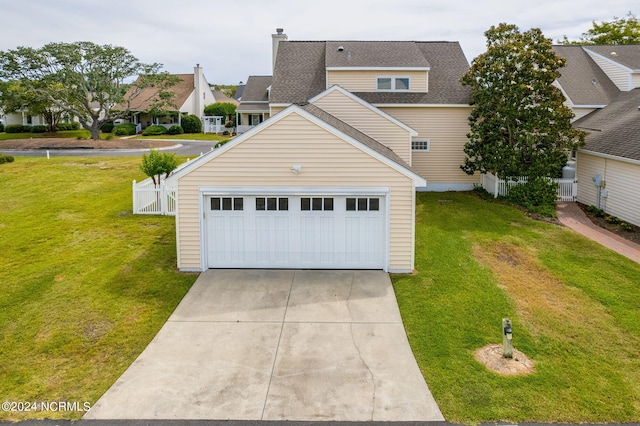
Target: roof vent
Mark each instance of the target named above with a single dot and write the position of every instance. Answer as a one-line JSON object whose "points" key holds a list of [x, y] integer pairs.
{"points": [[594, 81], [614, 54], [340, 48]]}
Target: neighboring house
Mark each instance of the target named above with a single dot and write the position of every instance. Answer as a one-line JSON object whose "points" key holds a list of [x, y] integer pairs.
{"points": [[22, 117], [602, 86], [191, 94], [254, 105], [612, 152]]}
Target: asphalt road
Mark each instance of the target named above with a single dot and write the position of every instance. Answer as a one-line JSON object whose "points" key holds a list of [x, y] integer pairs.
{"points": [[182, 147]]}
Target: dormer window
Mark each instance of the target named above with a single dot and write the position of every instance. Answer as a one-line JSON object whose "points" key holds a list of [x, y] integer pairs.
{"points": [[397, 84]]}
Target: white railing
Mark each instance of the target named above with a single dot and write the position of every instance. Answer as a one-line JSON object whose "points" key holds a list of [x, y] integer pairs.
{"points": [[244, 128], [567, 188], [154, 199]]}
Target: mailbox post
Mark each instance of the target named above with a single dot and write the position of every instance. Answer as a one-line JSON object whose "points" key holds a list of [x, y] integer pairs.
{"points": [[507, 336]]}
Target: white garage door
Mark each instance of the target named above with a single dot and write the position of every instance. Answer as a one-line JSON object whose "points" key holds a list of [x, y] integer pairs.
{"points": [[281, 231]]}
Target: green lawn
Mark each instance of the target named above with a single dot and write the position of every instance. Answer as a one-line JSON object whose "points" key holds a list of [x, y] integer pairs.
{"points": [[574, 305], [85, 283]]}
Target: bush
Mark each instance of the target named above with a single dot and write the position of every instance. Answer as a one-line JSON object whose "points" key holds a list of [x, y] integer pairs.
{"points": [[124, 129], [154, 131], [538, 195], [14, 128], [68, 126], [1, 127], [191, 124], [39, 129], [107, 127], [626, 226], [6, 159], [612, 220], [175, 130]]}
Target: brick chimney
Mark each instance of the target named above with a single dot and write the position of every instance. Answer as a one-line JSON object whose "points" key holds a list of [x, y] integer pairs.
{"points": [[276, 39]]}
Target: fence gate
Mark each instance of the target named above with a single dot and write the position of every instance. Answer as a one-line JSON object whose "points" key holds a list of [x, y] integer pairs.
{"points": [[212, 124]]}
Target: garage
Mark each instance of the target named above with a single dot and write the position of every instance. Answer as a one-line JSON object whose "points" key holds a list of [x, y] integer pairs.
{"points": [[314, 230]]}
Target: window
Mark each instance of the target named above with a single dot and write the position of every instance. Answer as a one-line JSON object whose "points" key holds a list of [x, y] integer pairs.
{"points": [[272, 204], [363, 204], [401, 84], [316, 204], [227, 203], [420, 145]]}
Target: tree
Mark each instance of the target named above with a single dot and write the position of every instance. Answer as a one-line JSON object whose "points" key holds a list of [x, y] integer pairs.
{"points": [[224, 109], [14, 96], [156, 164], [86, 80], [618, 31], [519, 124]]}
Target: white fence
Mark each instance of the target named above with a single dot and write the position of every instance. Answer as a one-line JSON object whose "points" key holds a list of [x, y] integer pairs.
{"points": [[154, 199], [567, 188]]}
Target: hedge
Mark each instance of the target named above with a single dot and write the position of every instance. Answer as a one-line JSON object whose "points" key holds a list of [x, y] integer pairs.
{"points": [[125, 129], [154, 131]]}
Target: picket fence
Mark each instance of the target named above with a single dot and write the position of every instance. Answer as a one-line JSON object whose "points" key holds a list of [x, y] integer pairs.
{"points": [[567, 188]]}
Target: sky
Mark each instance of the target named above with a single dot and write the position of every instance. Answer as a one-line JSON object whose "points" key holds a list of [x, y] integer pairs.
{"points": [[232, 39]]}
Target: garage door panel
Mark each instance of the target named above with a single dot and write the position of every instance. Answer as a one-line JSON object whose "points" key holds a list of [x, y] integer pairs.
{"points": [[300, 232]]}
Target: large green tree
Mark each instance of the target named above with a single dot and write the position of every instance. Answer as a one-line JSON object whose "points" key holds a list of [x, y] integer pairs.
{"points": [[519, 124], [14, 96], [86, 80], [617, 31]]}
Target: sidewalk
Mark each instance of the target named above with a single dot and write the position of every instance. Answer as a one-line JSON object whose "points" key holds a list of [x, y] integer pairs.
{"points": [[571, 216]]}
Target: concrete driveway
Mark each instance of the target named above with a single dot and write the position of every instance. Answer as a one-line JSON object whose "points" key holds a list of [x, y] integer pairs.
{"points": [[277, 345]]}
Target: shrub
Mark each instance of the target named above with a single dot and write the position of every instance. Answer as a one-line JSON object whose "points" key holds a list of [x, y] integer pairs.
{"points": [[39, 129], [626, 226], [6, 159], [68, 126], [1, 127], [191, 124], [612, 219], [154, 131], [124, 129], [175, 130], [538, 195], [107, 127], [14, 128]]}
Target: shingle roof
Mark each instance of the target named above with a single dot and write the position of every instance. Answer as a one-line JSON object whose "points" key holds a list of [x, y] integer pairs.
{"points": [[256, 96], [300, 69], [582, 79], [615, 129], [182, 90], [624, 54], [355, 133], [374, 54]]}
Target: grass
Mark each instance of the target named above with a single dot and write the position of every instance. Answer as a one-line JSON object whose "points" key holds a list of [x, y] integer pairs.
{"points": [[85, 283], [573, 303], [83, 134]]}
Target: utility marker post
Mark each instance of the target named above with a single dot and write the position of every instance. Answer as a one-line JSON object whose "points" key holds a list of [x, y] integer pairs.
{"points": [[507, 343]]}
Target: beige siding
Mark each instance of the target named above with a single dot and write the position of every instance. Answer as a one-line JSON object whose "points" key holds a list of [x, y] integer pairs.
{"points": [[273, 110], [265, 160], [581, 112], [586, 167], [446, 128], [366, 80], [369, 122], [635, 80], [621, 179], [619, 75]]}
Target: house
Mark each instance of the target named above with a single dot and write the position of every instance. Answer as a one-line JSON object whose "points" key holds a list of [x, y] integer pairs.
{"points": [[254, 105], [602, 86], [328, 179], [191, 94]]}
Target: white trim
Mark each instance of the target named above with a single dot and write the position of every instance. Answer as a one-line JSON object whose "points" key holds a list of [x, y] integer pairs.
{"points": [[364, 103], [609, 156], [588, 106], [418, 180], [378, 68], [208, 191], [422, 105], [427, 149]]}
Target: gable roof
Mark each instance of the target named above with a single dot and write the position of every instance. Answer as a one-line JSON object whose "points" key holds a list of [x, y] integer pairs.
{"points": [[615, 129], [582, 80], [627, 55], [301, 69], [181, 90], [328, 122]]}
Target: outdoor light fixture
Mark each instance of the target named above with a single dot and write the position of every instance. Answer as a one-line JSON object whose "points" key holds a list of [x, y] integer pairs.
{"points": [[295, 169]]}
